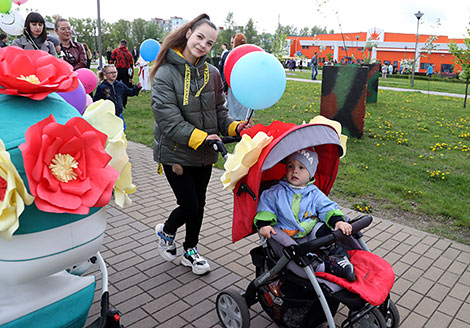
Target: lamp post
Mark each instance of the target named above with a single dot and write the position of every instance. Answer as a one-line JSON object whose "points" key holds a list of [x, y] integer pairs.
{"points": [[404, 54], [418, 16]]}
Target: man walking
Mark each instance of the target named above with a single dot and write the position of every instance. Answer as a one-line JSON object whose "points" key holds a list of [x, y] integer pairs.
{"points": [[314, 65], [135, 54], [124, 64]]}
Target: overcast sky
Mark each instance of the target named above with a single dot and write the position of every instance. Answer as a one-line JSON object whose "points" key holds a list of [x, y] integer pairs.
{"points": [[354, 16]]}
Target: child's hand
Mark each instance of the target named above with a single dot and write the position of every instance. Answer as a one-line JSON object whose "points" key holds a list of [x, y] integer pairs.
{"points": [[266, 231], [139, 85], [345, 227], [242, 126]]}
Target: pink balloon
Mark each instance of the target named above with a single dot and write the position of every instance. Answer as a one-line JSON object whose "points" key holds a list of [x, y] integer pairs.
{"points": [[89, 100], [19, 2], [88, 79], [76, 98]]}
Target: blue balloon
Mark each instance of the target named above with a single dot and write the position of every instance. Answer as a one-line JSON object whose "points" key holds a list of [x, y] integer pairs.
{"points": [[258, 80], [149, 49]]}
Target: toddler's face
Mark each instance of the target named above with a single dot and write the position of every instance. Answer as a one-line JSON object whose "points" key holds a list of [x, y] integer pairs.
{"points": [[297, 174]]}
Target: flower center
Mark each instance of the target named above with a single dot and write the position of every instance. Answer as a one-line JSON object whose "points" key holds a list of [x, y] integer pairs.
{"points": [[62, 167], [3, 188], [33, 79]]}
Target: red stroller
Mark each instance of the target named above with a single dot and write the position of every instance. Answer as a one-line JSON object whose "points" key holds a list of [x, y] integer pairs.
{"points": [[285, 285]]}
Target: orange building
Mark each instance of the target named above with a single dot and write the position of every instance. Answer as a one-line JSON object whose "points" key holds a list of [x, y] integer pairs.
{"points": [[388, 48]]}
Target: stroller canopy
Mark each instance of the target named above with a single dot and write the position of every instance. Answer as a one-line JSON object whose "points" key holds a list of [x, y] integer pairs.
{"points": [[323, 135]]}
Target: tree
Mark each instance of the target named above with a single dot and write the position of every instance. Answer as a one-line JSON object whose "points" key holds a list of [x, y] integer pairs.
{"points": [[266, 41], [462, 58], [280, 45], [250, 32]]}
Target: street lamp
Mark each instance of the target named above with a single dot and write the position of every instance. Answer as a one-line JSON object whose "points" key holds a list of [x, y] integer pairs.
{"points": [[98, 21], [418, 16]]}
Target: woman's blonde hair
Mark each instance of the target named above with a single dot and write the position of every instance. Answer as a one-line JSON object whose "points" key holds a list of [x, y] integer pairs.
{"points": [[177, 39]]}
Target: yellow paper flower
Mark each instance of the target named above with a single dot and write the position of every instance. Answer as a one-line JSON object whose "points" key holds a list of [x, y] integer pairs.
{"points": [[244, 156], [101, 116], [336, 125], [13, 195]]}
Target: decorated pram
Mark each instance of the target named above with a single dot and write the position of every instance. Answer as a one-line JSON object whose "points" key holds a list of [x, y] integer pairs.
{"points": [[58, 170], [286, 284]]}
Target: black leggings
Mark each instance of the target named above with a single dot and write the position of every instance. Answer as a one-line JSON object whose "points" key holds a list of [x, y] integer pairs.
{"points": [[190, 191]]}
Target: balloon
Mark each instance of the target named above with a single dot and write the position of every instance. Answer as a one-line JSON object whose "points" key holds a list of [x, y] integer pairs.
{"points": [[88, 79], [89, 100], [19, 2], [258, 80], [149, 49], [12, 23], [234, 56], [76, 98], [5, 6]]}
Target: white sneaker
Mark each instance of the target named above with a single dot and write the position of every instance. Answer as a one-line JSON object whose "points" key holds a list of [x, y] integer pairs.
{"points": [[166, 243], [191, 258]]}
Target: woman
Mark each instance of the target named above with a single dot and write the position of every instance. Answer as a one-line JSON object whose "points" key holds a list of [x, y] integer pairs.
{"points": [[188, 105], [34, 35], [88, 55], [70, 51], [235, 109]]}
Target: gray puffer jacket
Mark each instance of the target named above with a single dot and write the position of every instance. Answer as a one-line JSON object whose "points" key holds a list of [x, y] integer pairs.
{"points": [[178, 113], [24, 43]]}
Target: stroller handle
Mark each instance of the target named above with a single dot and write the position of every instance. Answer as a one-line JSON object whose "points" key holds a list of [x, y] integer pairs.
{"points": [[219, 146], [313, 245]]}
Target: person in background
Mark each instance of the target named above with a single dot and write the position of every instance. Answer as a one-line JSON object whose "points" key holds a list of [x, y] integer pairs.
{"points": [[72, 52], [144, 77], [88, 55], [188, 106], [109, 56], [3, 40], [223, 57], [34, 35], [390, 69], [235, 108], [114, 90], [314, 64], [135, 54], [429, 71], [103, 61], [123, 61]]}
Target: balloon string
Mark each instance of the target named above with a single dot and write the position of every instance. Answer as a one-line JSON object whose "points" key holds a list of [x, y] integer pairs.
{"points": [[249, 113]]}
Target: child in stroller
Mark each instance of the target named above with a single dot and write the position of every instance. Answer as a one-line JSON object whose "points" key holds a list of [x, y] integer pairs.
{"points": [[286, 286], [301, 210]]}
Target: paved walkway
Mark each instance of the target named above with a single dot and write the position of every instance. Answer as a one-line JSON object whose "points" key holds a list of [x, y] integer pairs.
{"points": [[393, 89], [432, 287]]}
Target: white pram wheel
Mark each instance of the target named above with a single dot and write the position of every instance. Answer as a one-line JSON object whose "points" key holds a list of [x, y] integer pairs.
{"points": [[232, 309]]}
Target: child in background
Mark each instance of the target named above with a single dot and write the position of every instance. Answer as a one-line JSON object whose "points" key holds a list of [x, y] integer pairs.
{"points": [[300, 209], [114, 90]]}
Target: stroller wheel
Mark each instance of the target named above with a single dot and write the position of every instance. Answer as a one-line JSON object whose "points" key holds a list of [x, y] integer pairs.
{"points": [[232, 309], [392, 316], [373, 319]]}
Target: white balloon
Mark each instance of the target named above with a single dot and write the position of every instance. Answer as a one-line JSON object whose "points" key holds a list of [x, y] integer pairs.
{"points": [[12, 22]]}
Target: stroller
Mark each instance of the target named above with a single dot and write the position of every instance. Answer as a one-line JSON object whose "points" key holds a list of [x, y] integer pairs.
{"points": [[286, 286]]}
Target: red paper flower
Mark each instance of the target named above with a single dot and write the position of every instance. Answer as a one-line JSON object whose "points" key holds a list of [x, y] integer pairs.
{"points": [[34, 73], [67, 166]]}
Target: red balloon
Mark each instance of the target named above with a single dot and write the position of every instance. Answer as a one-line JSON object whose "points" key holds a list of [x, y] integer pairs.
{"points": [[235, 55]]}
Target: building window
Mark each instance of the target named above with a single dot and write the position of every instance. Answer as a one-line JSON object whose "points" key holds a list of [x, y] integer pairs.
{"points": [[447, 68], [424, 65]]}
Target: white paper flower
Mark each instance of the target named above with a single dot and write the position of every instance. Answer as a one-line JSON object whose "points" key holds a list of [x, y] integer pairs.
{"points": [[101, 116], [13, 195], [244, 156]]}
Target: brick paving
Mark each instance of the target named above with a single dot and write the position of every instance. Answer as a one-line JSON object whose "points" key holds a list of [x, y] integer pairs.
{"points": [[432, 286]]}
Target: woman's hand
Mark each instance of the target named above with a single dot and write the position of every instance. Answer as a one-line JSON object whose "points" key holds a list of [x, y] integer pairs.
{"points": [[243, 125], [213, 137], [345, 227], [266, 231]]}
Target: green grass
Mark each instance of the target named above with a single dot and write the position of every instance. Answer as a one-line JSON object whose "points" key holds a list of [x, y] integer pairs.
{"points": [[412, 161], [402, 83]]}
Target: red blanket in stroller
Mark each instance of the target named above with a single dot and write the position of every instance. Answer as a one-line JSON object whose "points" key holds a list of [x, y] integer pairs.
{"points": [[374, 277]]}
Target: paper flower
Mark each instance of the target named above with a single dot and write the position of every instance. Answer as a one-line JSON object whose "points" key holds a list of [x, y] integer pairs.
{"points": [[101, 116], [13, 195], [244, 156], [67, 166], [34, 73]]}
